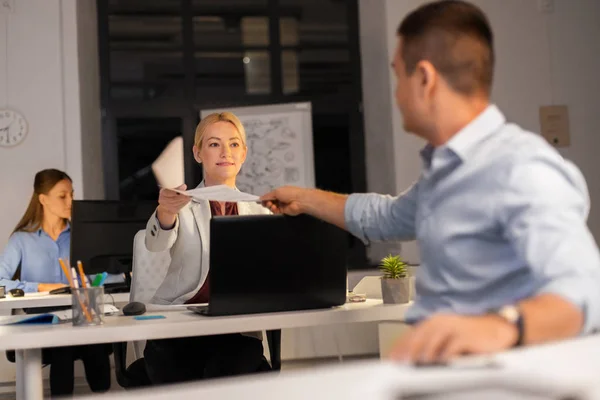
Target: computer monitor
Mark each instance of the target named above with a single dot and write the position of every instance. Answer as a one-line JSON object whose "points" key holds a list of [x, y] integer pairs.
{"points": [[102, 234]]}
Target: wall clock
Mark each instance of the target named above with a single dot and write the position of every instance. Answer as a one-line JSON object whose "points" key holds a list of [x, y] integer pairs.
{"points": [[13, 128]]}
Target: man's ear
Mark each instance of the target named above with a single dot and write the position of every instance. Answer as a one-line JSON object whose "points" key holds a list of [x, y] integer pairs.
{"points": [[196, 152], [428, 77]]}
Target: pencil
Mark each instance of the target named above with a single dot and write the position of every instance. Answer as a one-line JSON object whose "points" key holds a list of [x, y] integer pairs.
{"points": [[66, 272], [84, 284], [80, 267], [74, 286]]}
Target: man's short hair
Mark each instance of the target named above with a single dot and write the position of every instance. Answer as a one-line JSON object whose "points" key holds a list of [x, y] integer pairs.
{"points": [[454, 36]]}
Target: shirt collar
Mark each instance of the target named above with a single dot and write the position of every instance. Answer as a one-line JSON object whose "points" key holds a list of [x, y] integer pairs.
{"points": [[67, 229], [465, 141], [426, 155]]}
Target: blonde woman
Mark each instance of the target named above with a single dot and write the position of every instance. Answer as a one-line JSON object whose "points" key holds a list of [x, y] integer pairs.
{"points": [[183, 227]]}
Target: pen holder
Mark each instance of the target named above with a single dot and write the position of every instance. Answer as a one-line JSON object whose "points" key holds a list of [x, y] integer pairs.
{"points": [[88, 306]]}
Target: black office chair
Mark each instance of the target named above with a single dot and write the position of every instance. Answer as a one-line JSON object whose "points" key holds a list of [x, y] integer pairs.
{"points": [[131, 376], [135, 375]]}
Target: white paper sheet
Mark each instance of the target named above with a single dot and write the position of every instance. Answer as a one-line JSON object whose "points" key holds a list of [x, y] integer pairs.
{"points": [[168, 167], [219, 193]]}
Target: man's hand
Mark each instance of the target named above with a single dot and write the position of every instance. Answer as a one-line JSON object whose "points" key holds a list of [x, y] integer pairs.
{"points": [[284, 200], [446, 336]]}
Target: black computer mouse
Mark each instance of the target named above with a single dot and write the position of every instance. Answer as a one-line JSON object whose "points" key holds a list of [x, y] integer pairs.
{"points": [[16, 292], [134, 308]]}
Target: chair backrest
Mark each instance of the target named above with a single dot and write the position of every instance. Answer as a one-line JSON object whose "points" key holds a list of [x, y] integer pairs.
{"points": [[148, 270]]}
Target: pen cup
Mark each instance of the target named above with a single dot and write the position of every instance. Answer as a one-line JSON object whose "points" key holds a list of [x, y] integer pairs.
{"points": [[88, 306]]}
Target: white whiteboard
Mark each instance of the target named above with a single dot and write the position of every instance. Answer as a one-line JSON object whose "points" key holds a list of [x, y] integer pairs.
{"points": [[280, 146]]}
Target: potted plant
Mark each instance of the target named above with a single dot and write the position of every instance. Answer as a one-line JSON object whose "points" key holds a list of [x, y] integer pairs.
{"points": [[395, 283]]}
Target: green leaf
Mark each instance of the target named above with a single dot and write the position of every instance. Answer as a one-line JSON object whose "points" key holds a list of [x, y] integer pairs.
{"points": [[393, 267]]}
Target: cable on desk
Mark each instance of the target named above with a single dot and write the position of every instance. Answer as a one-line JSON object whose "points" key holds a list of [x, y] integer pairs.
{"points": [[112, 298]]}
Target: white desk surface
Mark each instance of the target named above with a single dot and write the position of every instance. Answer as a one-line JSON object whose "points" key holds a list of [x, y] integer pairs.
{"points": [[120, 328], [538, 372], [575, 359], [51, 300]]}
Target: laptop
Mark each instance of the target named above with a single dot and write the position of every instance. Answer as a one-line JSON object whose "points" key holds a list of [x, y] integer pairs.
{"points": [[274, 263]]}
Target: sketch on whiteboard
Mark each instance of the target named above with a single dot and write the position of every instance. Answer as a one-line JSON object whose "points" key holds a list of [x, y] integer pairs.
{"points": [[274, 154]]}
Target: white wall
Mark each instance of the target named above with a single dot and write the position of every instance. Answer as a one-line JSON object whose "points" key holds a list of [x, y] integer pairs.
{"points": [[42, 82], [52, 80], [378, 114], [542, 59]]}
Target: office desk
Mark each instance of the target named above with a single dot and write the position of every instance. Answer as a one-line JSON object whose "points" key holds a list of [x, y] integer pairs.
{"points": [[29, 340], [563, 370], [49, 300]]}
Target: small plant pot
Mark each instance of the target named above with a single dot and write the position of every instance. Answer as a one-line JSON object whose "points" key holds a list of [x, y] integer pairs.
{"points": [[395, 291]]}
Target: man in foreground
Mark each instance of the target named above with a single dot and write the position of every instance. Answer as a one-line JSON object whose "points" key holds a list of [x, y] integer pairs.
{"points": [[506, 255]]}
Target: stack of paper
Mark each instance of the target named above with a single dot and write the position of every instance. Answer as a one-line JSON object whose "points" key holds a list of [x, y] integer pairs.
{"points": [[218, 193]]}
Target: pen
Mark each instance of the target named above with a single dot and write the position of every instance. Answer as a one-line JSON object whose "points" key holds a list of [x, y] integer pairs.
{"points": [[97, 280], [104, 275], [75, 280]]}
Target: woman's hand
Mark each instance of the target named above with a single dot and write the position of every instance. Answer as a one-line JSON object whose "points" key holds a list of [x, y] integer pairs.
{"points": [[46, 287], [169, 205]]}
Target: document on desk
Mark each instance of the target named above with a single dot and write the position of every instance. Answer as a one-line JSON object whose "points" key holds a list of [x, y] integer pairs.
{"points": [[218, 193], [47, 318]]}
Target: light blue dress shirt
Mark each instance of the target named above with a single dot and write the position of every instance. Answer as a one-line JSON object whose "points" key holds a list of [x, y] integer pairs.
{"points": [[38, 256], [499, 216]]}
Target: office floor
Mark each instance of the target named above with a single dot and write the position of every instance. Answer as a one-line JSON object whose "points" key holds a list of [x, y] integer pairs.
{"points": [[81, 386]]}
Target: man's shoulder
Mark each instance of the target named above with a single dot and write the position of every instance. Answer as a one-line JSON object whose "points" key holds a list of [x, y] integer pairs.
{"points": [[530, 163], [522, 143], [514, 147]]}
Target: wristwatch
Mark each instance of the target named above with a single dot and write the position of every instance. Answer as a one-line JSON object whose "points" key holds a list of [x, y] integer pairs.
{"points": [[512, 315]]}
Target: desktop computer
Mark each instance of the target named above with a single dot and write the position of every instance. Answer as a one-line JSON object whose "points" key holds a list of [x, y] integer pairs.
{"points": [[102, 235]]}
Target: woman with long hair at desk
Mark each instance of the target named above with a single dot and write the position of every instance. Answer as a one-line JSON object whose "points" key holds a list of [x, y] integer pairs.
{"points": [[182, 226], [30, 263]]}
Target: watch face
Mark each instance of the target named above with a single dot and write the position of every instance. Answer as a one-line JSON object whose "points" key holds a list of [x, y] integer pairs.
{"points": [[13, 128], [510, 313]]}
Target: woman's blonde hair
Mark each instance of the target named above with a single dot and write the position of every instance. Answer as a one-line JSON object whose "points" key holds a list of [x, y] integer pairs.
{"points": [[210, 119], [43, 182]]}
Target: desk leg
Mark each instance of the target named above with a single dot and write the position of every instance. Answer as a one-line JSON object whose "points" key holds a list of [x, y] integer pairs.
{"points": [[29, 374]]}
